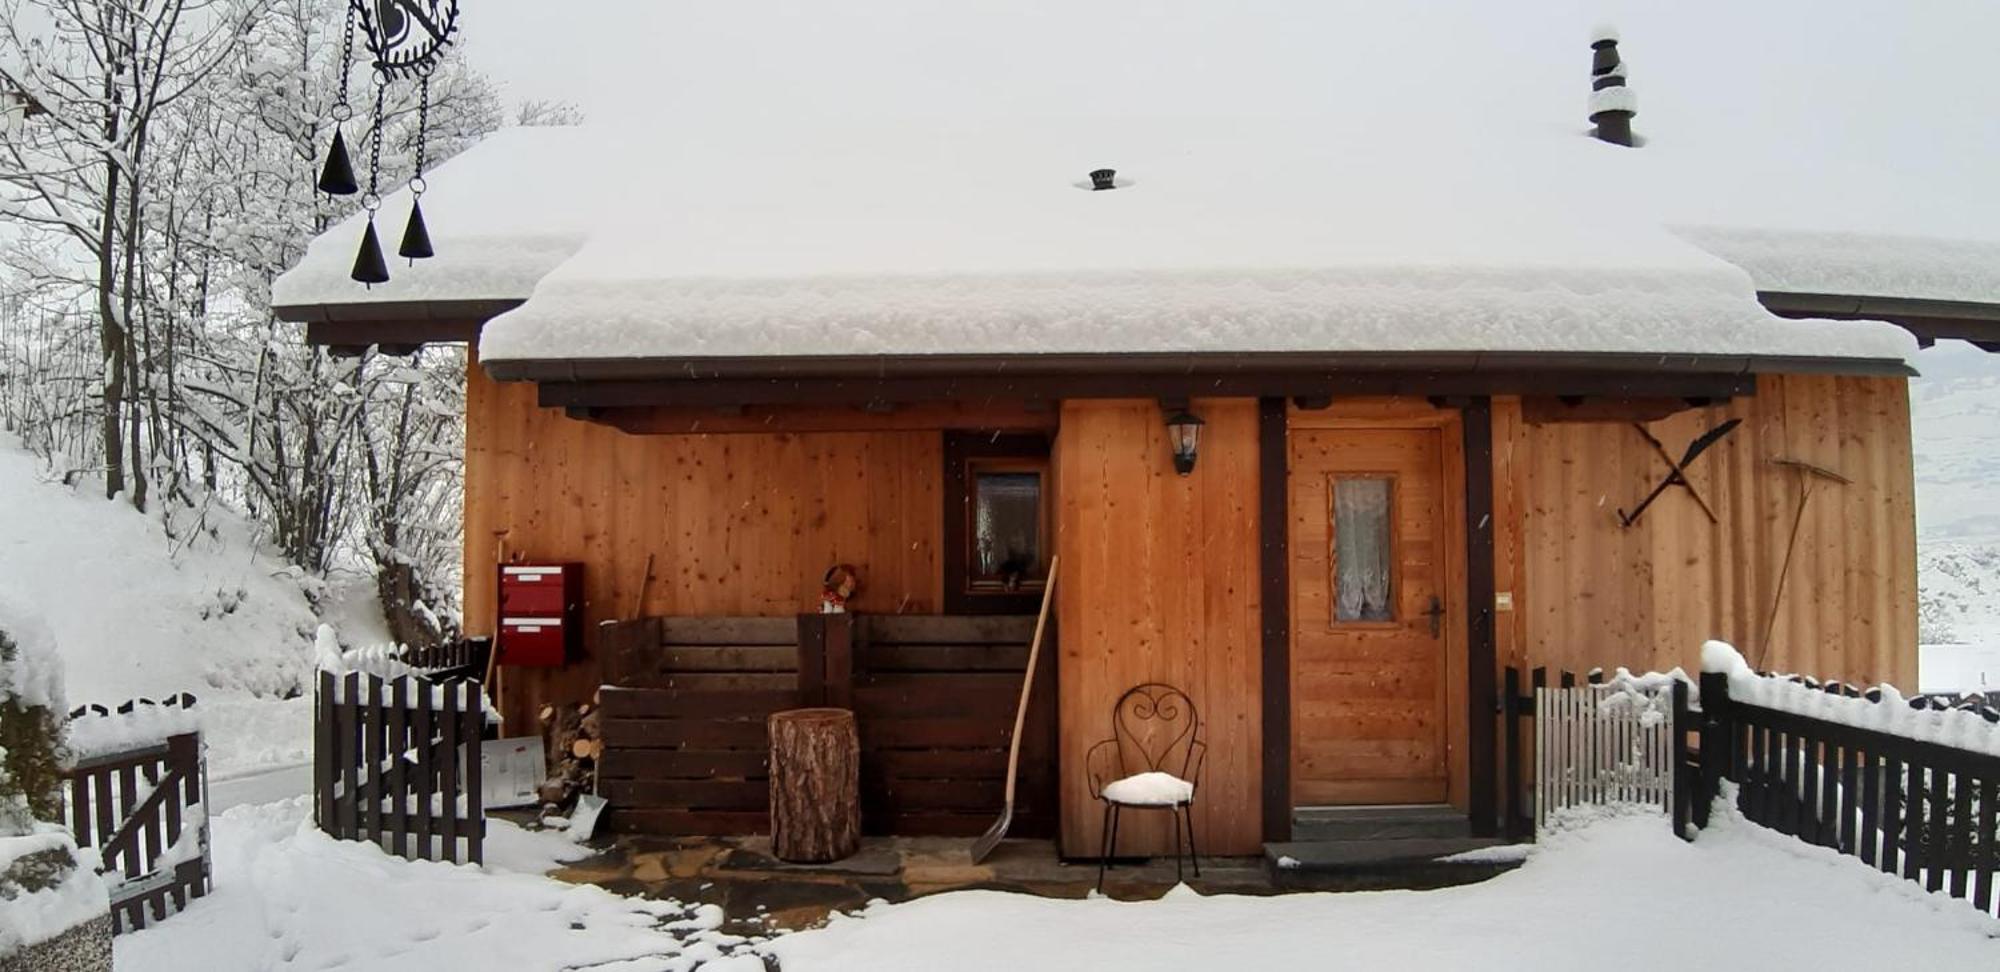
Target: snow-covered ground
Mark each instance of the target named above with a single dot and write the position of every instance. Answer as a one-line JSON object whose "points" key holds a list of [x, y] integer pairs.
{"points": [[288, 896], [1621, 893], [135, 614]]}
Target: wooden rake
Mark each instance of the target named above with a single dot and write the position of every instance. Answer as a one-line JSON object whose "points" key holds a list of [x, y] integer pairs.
{"points": [[1810, 475]]}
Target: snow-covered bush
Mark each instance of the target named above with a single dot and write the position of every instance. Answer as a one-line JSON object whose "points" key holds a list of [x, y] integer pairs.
{"points": [[31, 707], [47, 886]]}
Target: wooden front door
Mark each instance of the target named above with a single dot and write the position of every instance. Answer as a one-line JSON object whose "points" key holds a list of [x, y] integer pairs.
{"points": [[1369, 539]]}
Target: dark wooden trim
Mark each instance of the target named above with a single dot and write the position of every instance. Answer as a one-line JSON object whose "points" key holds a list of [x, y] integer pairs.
{"points": [[1930, 320], [1481, 798], [1254, 366], [401, 312], [554, 393], [959, 449], [1275, 589]]}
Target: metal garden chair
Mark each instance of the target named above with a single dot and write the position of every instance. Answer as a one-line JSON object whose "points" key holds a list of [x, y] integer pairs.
{"points": [[1151, 762]]}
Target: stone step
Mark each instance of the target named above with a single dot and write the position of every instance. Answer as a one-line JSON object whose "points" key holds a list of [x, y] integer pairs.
{"points": [[1395, 822], [1419, 862]]}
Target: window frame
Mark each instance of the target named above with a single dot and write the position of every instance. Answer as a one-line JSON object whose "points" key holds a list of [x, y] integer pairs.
{"points": [[965, 455]]}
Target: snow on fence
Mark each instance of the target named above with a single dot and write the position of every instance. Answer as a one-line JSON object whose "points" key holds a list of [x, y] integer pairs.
{"points": [[136, 793], [464, 658], [396, 761], [1609, 743], [1904, 786]]}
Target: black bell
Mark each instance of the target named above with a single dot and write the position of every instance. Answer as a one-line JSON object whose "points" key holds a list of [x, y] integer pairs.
{"points": [[416, 236], [369, 267], [336, 178]]}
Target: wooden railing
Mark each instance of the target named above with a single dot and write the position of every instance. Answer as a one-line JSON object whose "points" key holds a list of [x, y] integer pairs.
{"points": [[684, 716], [1927, 811], [396, 762]]}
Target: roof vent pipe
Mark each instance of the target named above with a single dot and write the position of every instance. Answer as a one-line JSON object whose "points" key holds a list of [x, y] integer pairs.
{"points": [[1612, 104], [1102, 179]]}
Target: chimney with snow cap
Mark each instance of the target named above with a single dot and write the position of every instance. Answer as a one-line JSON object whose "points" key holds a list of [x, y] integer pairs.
{"points": [[1612, 104]]}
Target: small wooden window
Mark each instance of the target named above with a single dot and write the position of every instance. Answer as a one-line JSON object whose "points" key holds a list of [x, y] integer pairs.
{"points": [[997, 522]]}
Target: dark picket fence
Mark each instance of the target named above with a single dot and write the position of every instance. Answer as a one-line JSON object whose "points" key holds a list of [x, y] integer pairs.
{"points": [[143, 810], [396, 762], [1927, 811]]}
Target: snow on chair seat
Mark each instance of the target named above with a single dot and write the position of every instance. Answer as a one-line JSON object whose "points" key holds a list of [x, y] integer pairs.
{"points": [[1149, 789]]}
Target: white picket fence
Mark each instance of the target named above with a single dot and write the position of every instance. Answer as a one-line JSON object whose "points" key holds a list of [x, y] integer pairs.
{"points": [[1602, 745]]}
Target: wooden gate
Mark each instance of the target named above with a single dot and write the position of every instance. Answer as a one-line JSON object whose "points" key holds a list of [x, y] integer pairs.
{"points": [[1602, 745], [142, 808], [396, 762]]}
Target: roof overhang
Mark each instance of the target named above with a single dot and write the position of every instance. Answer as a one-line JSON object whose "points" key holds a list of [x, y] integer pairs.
{"points": [[396, 325], [614, 383], [1930, 320]]}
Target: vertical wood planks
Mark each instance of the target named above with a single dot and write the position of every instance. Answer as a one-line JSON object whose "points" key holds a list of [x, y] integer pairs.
{"points": [[1647, 596]]}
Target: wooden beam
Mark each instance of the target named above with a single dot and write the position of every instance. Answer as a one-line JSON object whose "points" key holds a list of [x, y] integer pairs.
{"points": [[408, 333], [1545, 409], [1275, 587], [986, 389], [918, 417], [1480, 696]]}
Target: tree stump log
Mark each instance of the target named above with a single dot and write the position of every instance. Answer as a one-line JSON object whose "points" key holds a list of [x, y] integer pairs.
{"points": [[815, 785]]}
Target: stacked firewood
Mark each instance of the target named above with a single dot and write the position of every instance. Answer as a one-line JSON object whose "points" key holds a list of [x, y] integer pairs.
{"points": [[572, 735]]}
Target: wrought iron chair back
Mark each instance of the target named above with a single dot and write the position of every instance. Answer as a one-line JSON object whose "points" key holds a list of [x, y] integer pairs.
{"points": [[1154, 728]]}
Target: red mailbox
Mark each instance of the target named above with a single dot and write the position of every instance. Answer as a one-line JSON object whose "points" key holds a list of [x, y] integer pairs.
{"points": [[541, 613]]}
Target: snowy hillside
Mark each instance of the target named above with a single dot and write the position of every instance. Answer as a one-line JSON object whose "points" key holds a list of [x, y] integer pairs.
{"points": [[132, 615], [1955, 410]]}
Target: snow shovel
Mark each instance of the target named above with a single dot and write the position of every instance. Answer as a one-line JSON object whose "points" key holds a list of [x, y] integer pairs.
{"points": [[991, 838]]}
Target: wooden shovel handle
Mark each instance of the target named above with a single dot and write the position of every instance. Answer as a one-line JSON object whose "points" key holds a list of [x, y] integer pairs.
{"points": [[1028, 679]]}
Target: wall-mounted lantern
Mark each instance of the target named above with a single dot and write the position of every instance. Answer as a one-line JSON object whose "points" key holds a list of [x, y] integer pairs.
{"points": [[1184, 433]]}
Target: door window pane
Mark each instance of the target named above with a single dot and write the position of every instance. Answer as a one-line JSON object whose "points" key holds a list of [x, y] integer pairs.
{"points": [[1006, 526], [1361, 556]]}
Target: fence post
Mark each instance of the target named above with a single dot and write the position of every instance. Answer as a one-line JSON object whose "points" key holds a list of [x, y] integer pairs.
{"points": [[840, 661], [1718, 743], [812, 660], [1510, 734], [1683, 778]]}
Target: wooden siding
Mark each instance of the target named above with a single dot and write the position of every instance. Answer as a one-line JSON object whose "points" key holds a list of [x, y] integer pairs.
{"points": [[1160, 583], [737, 524], [1589, 591]]}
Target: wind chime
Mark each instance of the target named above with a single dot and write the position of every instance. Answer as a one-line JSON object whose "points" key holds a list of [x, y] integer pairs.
{"points": [[406, 40]]}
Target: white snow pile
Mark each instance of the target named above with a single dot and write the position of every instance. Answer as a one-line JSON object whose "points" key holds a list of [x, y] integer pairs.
{"points": [[1957, 728], [99, 734], [288, 896], [28, 917], [34, 675], [903, 178], [1149, 789], [1621, 894]]}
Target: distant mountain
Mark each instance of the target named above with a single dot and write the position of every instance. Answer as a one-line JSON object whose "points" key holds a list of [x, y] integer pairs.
{"points": [[1955, 416]]}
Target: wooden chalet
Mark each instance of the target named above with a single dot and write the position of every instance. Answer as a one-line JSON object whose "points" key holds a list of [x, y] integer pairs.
{"points": [[1333, 527]]}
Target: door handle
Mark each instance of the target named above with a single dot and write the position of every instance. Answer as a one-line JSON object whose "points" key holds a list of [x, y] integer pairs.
{"points": [[1436, 614]]}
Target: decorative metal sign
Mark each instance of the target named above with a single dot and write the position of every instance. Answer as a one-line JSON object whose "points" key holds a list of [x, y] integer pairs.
{"points": [[405, 39]]}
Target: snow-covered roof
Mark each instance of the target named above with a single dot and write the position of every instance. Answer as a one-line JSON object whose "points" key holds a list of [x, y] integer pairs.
{"points": [[905, 178]]}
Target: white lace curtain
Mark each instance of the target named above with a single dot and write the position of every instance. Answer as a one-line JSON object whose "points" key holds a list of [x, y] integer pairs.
{"points": [[1361, 550]]}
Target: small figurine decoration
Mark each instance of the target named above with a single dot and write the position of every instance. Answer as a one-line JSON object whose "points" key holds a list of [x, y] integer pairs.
{"points": [[405, 39], [839, 584]]}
